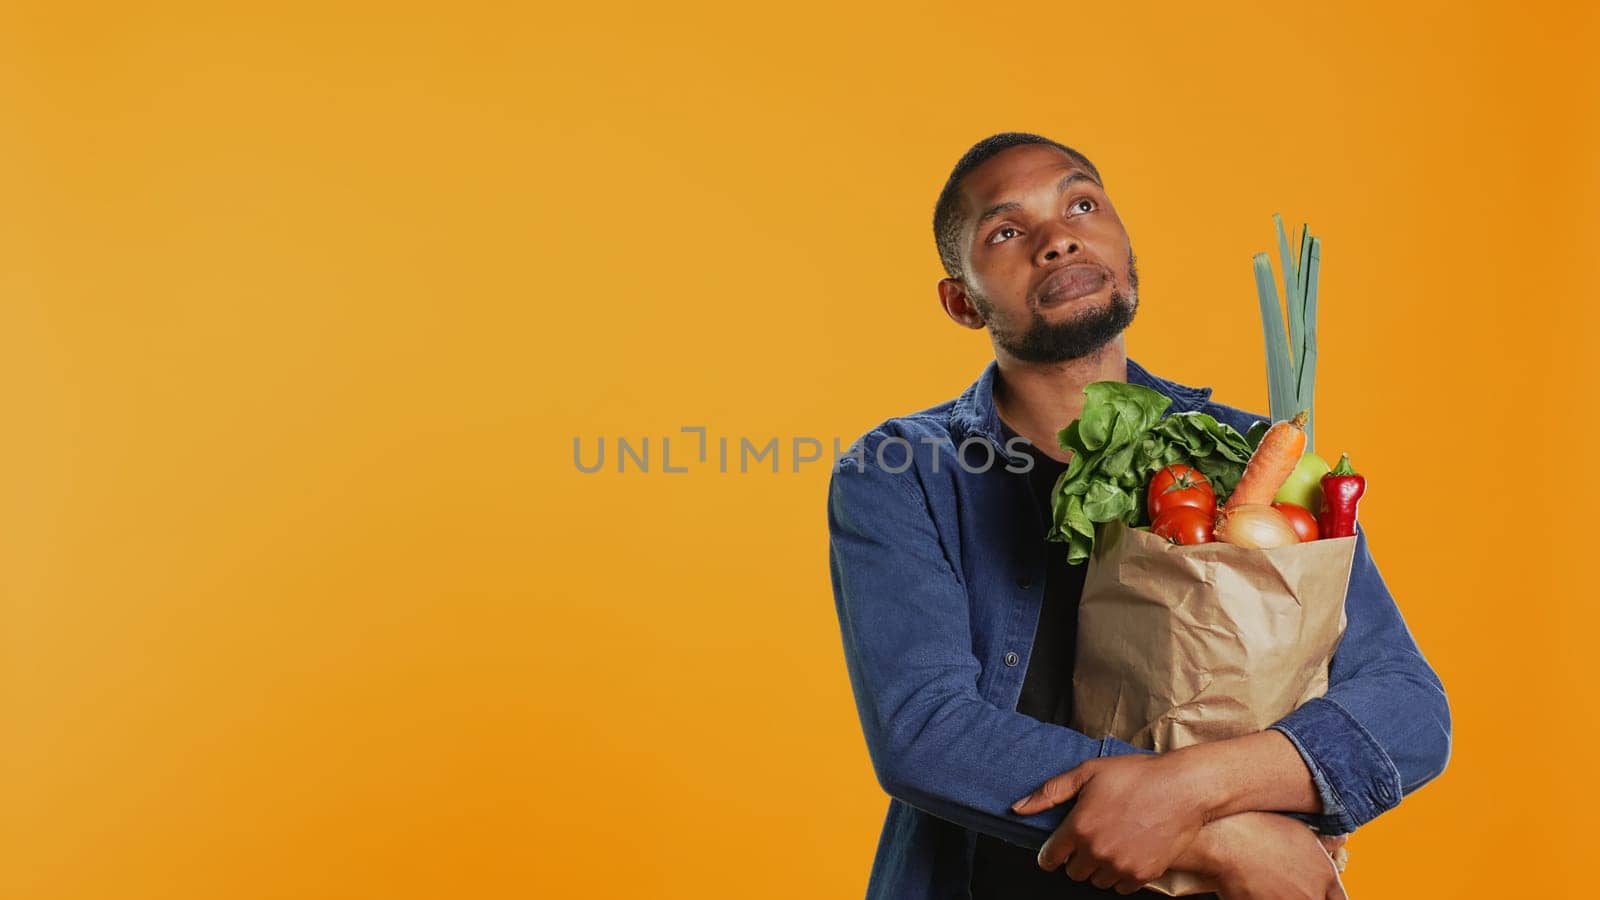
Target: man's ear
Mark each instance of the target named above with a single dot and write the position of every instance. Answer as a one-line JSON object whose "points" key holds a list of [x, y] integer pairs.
{"points": [[957, 303]]}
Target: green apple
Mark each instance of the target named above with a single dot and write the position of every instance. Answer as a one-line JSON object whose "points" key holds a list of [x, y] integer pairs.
{"points": [[1304, 487]]}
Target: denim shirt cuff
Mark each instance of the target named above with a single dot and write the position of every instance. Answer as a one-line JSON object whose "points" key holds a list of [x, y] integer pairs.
{"points": [[1110, 746], [1354, 776]]}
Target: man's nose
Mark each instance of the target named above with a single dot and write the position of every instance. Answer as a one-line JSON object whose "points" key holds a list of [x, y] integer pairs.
{"points": [[1058, 243]]}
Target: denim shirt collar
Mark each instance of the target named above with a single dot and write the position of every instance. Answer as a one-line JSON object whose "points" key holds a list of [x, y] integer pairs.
{"points": [[974, 412]]}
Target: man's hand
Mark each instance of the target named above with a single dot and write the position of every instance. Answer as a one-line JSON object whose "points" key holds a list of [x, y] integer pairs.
{"points": [[1265, 856], [1134, 816], [1137, 813]]}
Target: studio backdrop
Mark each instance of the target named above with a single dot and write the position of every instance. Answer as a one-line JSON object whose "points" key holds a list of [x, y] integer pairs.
{"points": [[419, 418]]}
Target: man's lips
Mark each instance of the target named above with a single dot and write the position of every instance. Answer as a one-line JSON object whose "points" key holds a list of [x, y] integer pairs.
{"points": [[1070, 283]]}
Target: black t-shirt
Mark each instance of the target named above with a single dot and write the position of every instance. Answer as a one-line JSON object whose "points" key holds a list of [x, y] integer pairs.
{"points": [[1003, 871]]}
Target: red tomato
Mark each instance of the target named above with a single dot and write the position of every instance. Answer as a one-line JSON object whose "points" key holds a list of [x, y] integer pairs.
{"points": [[1180, 485], [1305, 524], [1184, 525]]}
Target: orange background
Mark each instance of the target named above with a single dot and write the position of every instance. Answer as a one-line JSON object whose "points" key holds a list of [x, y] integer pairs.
{"points": [[302, 308]]}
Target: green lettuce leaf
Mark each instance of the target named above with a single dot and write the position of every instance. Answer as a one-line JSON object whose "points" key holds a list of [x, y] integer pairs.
{"points": [[1117, 444]]}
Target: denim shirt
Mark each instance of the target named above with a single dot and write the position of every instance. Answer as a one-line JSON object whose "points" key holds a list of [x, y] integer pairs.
{"points": [[938, 574]]}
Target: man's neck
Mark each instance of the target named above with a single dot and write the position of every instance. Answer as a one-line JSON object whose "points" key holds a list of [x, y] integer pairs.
{"points": [[1037, 400]]}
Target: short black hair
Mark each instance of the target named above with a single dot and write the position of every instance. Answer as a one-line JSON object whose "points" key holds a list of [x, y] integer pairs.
{"points": [[947, 222]]}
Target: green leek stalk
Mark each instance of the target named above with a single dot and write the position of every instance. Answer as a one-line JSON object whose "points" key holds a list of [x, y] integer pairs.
{"points": [[1291, 352]]}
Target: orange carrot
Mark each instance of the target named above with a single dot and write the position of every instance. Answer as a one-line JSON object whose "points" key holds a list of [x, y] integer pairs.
{"points": [[1269, 467]]}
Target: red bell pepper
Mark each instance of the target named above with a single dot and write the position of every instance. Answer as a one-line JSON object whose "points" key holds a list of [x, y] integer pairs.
{"points": [[1341, 491]]}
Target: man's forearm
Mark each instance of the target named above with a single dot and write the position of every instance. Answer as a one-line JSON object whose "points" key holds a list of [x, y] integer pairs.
{"points": [[1255, 849], [1383, 728], [1261, 771], [1206, 855], [950, 769]]}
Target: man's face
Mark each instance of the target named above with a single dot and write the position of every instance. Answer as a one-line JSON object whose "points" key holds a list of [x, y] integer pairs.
{"points": [[1047, 265]]}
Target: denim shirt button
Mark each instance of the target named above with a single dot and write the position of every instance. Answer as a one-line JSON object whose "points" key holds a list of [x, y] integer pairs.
{"points": [[1024, 582], [1011, 658]]}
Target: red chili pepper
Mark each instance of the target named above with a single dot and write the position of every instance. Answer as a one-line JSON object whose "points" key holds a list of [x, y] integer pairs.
{"points": [[1341, 491]]}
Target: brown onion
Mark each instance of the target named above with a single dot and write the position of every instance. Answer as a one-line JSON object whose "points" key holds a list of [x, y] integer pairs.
{"points": [[1255, 526]]}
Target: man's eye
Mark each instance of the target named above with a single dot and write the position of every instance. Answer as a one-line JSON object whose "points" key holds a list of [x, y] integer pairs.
{"points": [[997, 234], [1083, 205]]}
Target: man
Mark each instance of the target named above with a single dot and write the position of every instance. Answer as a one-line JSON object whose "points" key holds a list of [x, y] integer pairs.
{"points": [[958, 618]]}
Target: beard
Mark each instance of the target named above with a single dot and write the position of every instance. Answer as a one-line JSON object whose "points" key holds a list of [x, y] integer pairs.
{"points": [[1040, 341]]}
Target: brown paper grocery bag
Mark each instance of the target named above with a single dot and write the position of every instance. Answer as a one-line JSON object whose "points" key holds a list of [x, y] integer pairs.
{"points": [[1183, 644]]}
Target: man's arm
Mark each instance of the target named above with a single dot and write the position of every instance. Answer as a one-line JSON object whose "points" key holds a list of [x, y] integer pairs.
{"points": [[1381, 731], [904, 616], [1134, 820], [1137, 816], [1258, 854], [1383, 728]]}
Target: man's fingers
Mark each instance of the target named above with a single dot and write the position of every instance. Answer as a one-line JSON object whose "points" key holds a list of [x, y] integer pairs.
{"points": [[1054, 792], [1055, 850], [1081, 866], [1337, 891]]}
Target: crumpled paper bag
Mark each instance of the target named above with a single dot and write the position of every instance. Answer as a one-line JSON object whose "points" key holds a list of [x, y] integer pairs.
{"points": [[1183, 644]]}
